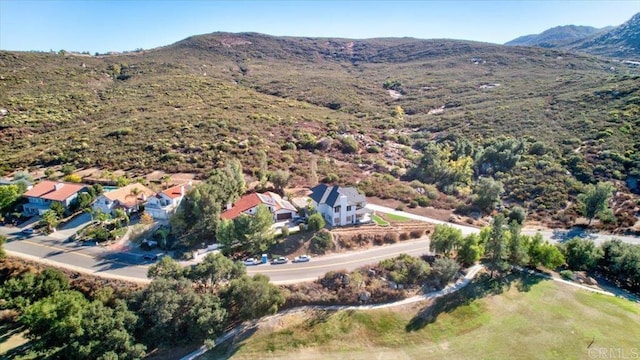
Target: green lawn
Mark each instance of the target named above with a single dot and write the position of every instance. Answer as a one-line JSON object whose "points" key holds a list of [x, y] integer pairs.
{"points": [[547, 321], [394, 217], [378, 220]]}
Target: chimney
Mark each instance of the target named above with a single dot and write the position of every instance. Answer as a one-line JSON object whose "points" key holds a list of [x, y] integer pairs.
{"points": [[181, 190], [229, 205], [58, 186]]}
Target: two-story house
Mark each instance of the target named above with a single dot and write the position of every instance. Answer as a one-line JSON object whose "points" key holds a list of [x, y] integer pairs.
{"points": [[280, 208], [129, 198], [164, 204], [43, 194], [340, 206]]}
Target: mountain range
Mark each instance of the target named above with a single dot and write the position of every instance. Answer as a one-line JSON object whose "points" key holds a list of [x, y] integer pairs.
{"points": [[621, 41], [294, 103]]}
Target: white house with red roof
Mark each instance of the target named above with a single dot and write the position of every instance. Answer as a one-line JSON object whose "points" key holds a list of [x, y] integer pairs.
{"points": [[164, 204], [280, 208], [43, 194]]}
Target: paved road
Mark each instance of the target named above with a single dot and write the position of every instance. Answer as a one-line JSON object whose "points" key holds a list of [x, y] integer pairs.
{"points": [[97, 260], [557, 235]]}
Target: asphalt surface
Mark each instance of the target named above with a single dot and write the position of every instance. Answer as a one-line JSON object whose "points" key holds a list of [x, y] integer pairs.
{"points": [[55, 250]]}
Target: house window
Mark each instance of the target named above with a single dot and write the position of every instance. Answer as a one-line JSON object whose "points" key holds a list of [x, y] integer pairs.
{"points": [[336, 221], [336, 209], [349, 208], [349, 218]]}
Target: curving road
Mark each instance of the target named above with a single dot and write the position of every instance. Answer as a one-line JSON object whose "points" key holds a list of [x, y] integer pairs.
{"points": [[56, 251]]}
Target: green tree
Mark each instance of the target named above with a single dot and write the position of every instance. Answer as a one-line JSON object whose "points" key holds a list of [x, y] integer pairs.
{"points": [[582, 254], [58, 208], [49, 220], [215, 270], [9, 196], [316, 222], [444, 270], [252, 297], [166, 268], [487, 193], [470, 251], [54, 320], [445, 239], [122, 217], [517, 214], [251, 233], [3, 254], [280, 179], [542, 253], [84, 200], [173, 312], [518, 245], [594, 199], [496, 246]]}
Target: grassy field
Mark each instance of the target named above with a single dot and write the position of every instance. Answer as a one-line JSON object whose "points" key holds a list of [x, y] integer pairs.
{"points": [[531, 320], [378, 220], [394, 217]]}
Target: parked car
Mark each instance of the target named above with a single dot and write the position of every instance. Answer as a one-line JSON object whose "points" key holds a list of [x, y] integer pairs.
{"points": [[280, 260], [251, 261], [302, 258], [298, 221], [152, 257], [28, 231]]}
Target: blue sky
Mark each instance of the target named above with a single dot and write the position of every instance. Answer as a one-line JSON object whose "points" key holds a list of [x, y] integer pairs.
{"points": [[100, 26]]}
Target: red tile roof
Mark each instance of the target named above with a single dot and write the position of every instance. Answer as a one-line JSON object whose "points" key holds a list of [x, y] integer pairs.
{"points": [[245, 203], [251, 200], [176, 191], [51, 190]]}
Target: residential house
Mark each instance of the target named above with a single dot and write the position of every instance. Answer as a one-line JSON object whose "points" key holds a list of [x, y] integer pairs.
{"points": [[280, 208], [43, 194], [164, 204], [340, 206], [128, 198]]}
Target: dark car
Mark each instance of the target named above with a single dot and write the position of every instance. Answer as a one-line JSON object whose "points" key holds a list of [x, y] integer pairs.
{"points": [[280, 260], [152, 257]]}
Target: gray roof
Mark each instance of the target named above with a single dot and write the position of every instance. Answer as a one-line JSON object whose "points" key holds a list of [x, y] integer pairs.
{"points": [[323, 194]]}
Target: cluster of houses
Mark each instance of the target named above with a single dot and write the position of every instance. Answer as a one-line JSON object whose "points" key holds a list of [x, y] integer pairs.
{"points": [[340, 206]]}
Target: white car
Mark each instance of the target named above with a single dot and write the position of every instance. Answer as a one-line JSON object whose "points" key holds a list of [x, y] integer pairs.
{"points": [[302, 258], [251, 261]]}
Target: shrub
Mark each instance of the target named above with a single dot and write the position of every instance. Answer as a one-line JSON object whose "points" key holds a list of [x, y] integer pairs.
{"points": [[321, 242], [566, 274], [316, 222], [416, 233], [404, 236], [285, 231]]}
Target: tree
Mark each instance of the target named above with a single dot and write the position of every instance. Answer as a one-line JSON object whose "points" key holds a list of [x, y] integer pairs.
{"points": [[58, 208], [54, 320], [172, 312], [518, 214], [280, 179], [84, 200], [496, 246], [252, 297], [518, 245], [444, 269], [166, 268], [316, 222], [73, 178], [49, 220], [215, 270], [247, 233], [582, 254], [470, 251], [542, 253], [122, 217], [594, 199], [487, 193], [3, 240], [445, 239], [9, 196]]}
